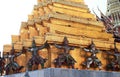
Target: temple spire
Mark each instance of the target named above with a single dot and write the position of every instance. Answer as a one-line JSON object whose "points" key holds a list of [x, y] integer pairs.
{"points": [[113, 9]]}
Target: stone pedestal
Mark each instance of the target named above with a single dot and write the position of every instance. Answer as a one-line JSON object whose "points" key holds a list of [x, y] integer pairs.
{"points": [[58, 72]]}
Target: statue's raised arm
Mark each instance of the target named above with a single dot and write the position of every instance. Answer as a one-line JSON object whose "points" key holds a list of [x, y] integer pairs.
{"points": [[87, 50], [45, 45], [91, 48], [58, 46], [65, 45]]}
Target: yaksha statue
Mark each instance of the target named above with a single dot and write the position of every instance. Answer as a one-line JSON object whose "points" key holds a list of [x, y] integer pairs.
{"points": [[35, 58], [114, 63], [2, 64], [93, 59], [13, 65], [64, 58]]}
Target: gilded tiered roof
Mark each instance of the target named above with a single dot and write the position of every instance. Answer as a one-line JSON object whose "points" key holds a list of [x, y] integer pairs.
{"points": [[51, 20]]}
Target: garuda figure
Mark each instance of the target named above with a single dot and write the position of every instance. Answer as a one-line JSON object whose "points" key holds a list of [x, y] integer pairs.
{"points": [[92, 60], [64, 58], [35, 58], [13, 65], [114, 63], [2, 64]]}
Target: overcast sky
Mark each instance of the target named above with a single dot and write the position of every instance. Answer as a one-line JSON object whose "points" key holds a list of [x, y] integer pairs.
{"points": [[13, 12], [93, 4]]}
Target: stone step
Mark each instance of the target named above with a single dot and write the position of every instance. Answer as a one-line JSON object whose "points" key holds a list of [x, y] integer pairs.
{"points": [[35, 13], [78, 32], [24, 31], [24, 34], [17, 46], [73, 13], [38, 39], [104, 45], [47, 10], [71, 3], [32, 32], [72, 24], [75, 24], [66, 2], [42, 30], [70, 7], [70, 19], [75, 19], [6, 48], [79, 1], [15, 38], [58, 38], [27, 42], [30, 17], [73, 40], [41, 11]]}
